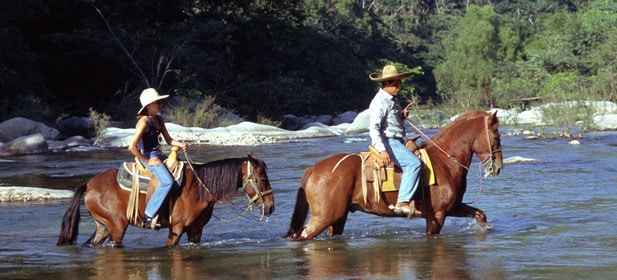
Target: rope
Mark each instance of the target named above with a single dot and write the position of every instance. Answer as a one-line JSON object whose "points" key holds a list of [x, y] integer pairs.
{"points": [[249, 207], [475, 199], [488, 159], [435, 144], [188, 160], [132, 210]]}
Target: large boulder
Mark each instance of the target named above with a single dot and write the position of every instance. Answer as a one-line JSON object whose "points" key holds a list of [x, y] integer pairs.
{"points": [[17, 127], [347, 117], [29, 144], [360, 123], [77, 126], [606, 121]]}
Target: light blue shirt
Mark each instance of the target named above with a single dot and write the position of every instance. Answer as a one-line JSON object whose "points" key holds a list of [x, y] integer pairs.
{"points": [[386, 119]]}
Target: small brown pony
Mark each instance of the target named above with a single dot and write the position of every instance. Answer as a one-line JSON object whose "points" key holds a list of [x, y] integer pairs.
{"points": [[333, 186], [203, 186]]}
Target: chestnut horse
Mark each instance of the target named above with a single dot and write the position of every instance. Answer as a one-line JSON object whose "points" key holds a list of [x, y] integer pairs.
{"points": [[203, 186], [332, 187]]}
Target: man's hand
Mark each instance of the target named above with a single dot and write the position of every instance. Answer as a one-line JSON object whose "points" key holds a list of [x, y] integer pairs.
{"points": [[385, 157], [406, 110]]}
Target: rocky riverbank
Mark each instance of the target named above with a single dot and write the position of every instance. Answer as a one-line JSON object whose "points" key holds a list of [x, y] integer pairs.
{"points": [[23, 136], [20, 136]]}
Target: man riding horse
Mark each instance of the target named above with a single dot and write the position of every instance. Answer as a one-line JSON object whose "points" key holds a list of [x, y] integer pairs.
{"points": [[388, 132]]}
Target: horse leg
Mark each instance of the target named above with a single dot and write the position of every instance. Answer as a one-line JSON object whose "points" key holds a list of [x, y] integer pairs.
{"points": [[115, 232], [313, 228], [325, 216], [175, 232], [338, 226], [195, 230], [467, 211], [101, 232], [434, 223]]}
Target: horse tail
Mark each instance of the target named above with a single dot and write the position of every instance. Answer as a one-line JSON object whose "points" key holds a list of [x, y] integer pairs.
{"points": [[302, 207], [70, 222]]}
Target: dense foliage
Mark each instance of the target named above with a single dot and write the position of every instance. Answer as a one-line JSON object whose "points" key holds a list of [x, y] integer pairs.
{"points": [[271, 57]]}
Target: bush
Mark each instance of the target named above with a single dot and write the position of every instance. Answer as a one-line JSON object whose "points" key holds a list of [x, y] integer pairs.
{"points": [[200, 113], [564, 116], [100, 121]]}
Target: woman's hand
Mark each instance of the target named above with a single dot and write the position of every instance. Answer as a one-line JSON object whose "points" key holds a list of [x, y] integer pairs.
{"points": [[154, 161], [184, 146]]}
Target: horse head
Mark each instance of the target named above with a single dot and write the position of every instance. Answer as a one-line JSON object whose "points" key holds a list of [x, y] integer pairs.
{"points": [[488, 146], [256, 185]]}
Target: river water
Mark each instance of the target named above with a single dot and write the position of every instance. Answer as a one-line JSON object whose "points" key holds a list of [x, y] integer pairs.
{"points": [[551, 218]]}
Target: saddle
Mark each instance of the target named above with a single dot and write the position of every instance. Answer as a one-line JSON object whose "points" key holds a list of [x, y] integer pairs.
{"points": [[134, 177], [128, 170], [388, 178]]}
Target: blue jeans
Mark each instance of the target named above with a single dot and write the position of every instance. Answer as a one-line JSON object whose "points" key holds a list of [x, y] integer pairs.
{"points": [[166, 181], [409, 163]]}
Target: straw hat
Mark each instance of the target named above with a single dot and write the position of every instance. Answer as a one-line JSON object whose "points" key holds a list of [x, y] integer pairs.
{"points": [[149, 96], [389, 73]]}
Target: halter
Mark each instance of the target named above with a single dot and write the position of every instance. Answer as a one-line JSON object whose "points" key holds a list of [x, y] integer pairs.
{"points": [[250, 179]]}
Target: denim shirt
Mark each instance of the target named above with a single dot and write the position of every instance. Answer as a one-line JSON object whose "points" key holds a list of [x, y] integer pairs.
{"points": [[386, 119]]}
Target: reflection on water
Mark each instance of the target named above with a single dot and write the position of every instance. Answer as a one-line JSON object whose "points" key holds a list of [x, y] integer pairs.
{"points": [[388, 258], [552, 218]]}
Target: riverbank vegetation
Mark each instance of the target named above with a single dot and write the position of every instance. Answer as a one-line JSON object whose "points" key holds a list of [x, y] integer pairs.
{"points": [[262, 59]]}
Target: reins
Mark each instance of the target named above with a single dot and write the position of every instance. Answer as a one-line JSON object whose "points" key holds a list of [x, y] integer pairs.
{"points": [[250, 179], [487, 162], [436, 145], [188, 160]]}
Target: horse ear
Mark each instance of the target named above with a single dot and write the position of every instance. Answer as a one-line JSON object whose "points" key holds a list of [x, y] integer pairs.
{"points": [[492, 119], [251, 155]]}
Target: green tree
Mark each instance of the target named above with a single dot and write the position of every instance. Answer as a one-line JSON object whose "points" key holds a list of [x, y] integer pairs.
{"points": [[470, 52]]}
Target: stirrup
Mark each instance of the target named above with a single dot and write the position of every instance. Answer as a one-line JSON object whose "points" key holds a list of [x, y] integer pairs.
{"points": [[151, 223]]}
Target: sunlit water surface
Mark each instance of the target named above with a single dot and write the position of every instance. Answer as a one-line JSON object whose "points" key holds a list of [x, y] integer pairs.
{"points": [[551, 218]]}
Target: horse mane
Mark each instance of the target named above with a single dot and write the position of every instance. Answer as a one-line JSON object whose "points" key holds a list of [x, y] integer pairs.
{"points": [[455, 127], [223, 177]]}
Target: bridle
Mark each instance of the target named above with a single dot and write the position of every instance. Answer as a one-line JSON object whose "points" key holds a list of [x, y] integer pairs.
{"points": [[489, 161], [252, 181]]}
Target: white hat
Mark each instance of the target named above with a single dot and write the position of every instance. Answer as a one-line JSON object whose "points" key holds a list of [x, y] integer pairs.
{"points": [[149, 96]]}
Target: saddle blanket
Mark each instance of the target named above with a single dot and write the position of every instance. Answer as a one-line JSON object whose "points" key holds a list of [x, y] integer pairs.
{"points": [[126, 171], [386, 174]]}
